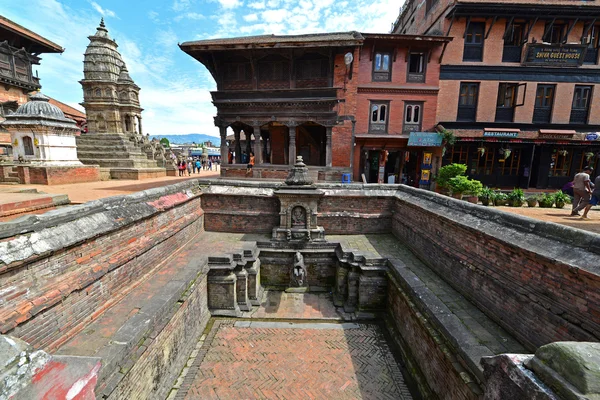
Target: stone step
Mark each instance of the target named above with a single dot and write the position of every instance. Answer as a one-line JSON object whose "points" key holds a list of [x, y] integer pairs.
{"points": [[123, 155], [115, 163], [10, 180]]}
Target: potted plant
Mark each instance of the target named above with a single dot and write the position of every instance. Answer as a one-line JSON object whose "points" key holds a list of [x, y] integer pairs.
{"points": [[448, 172], [481, 150], [459, 185], [486, 196], [531, 201], [516, 198], [473, 191], [448, 138], [560, 199], [546, 200], [588, 156], [500, 198]]}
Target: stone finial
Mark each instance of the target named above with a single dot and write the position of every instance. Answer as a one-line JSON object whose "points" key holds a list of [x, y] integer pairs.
{"points": [[298, 175], [102, 23]]}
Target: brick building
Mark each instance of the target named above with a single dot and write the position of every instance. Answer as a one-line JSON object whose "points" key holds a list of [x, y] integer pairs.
{"points": [[19, 50], [519, 86], [337, 99]]}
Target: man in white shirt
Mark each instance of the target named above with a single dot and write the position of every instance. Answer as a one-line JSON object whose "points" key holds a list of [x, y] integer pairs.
{"points": [[582, 190]]}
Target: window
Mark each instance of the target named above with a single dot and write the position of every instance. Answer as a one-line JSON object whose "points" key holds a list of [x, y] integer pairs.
{"points": [[412, 117], [108, 93], [4, 63], [510, 165], [27, 146], [560, 163], [506, 102], [591, 55], [467, 102], [274, 73], [544, 98], [460, 154], [379, 117], [237, 72], [22, 68], [485, 161], [513, 43], [474, 42], [98, 92], [581, 104], [416, 67], [554, 34], [382, 67]]}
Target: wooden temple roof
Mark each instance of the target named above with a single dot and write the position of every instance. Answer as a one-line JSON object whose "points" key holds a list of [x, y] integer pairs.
{"points": [[33, 42]]}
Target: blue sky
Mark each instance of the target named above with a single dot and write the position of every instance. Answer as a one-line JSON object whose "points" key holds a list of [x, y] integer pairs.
{"points": [[175, 87]]}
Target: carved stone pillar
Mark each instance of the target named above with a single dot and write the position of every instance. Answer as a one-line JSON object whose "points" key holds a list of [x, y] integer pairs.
{"points": [[141, 132], [248, 143], [257, 146], [328, 147], [224, 147], [238, 146], [292, 145]]}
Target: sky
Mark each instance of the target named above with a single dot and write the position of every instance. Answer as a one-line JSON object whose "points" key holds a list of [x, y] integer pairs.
{"points": [[175, 88]]}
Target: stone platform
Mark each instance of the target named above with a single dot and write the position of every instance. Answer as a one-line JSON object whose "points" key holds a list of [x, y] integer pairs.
{"points": [[300, 360], [18, 201]]}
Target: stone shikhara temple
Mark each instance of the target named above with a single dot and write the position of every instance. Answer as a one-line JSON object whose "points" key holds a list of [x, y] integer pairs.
{"points": [[227, 281], [115, 140]]}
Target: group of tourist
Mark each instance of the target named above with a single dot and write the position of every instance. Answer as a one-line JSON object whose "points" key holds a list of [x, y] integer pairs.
{"points": [[195, 165], [585, 193]]}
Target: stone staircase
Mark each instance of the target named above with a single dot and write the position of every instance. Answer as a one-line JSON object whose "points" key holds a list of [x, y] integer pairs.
{"points": [[123, 158]]}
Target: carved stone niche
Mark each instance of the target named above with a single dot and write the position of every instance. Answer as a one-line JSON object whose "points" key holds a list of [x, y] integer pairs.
{"points": [[298, 201]]}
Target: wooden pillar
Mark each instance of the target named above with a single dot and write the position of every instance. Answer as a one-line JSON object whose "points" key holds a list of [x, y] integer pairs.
{"points": [[238, 146], [292, 145], [224, 147], [248, 143], [257, 146], [328, 147]]}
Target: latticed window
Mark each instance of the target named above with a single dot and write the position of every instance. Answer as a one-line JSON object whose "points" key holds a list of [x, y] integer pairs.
{"points": [[485, 162], [511, 164], [4, 63], [21, 68], [312, 68], [560, 163], [237, 72], [459, 154], [275, 70]]}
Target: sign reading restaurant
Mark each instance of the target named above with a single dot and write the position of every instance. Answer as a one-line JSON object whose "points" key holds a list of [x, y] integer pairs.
{"points": [[568, 55], [503, 133]]}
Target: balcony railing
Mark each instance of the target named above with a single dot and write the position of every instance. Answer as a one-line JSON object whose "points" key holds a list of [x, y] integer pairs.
{"points": [[591, 56], [542, 115], [473, 53], [505, 114], [511, 54], [579, 116], [466, 113]]}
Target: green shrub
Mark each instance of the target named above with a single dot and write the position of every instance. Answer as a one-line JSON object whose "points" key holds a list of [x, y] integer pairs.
{"points": [[560, 199], [516, 198], [500, 198], [546, 200], [459, 184], [532, 201], [475, 188], [448, 172]]}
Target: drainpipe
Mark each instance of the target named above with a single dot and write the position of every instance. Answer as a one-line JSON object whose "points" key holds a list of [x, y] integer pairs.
{"points": [[352, 147]]}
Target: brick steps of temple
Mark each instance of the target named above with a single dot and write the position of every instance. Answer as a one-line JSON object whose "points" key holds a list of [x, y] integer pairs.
{"points": [[10, 176], [113, 151]]}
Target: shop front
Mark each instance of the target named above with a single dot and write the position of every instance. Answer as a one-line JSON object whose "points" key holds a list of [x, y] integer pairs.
{"points": [[409, 159], [547, 159]]}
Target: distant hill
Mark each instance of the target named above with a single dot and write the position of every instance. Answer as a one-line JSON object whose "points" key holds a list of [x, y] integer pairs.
{"points": [[189, 138]]}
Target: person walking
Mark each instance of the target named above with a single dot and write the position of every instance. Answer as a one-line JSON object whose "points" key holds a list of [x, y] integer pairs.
{"points": [[594, 200], [582, 190], [198, 166], [189, 168], [182, 167]]}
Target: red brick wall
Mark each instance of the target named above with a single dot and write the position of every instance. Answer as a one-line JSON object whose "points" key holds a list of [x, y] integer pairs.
{"points": [[62, 175], [73, 286], [355, 215], [240, 213], [538, 299]]}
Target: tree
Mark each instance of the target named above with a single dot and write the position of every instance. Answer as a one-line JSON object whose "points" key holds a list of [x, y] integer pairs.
{"points": [[165, 142]]}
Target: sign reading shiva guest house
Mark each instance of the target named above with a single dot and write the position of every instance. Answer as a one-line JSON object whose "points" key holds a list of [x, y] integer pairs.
{"points": [[568, 55], [424, 139]]}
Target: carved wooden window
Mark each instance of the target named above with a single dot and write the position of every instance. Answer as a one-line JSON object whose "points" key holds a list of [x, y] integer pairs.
{"points": [[412, 117], [312, 70], [237, 72], [382, 67], [5, 68], [416, 67], [379, 116], [22, 68]]}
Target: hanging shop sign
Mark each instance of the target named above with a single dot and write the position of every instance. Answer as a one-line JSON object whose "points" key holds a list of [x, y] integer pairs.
{"points": [[569, 55], [592, 136], [502, 133], [425, 139]]}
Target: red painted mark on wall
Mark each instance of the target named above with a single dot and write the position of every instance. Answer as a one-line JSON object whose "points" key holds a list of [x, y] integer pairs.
{"points": [[169, 201]]}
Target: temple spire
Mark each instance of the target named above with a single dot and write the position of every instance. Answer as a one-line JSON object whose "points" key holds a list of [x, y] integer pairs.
{"points": [[102, 22]]}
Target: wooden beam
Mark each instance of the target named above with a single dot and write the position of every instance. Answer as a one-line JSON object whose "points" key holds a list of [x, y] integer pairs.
{"points": [[587, 29], [372, 52], [467, 27], [564, 40], [510, 23], [491, 26], [548, 28], [532, 24]]}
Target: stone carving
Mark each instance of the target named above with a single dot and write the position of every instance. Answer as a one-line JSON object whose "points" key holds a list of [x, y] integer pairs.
{"points": [[298, 175], [299, 217], [299, 271]]}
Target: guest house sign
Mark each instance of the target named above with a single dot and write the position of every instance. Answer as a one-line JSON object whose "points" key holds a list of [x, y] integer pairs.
{"points": [[570, 55]]}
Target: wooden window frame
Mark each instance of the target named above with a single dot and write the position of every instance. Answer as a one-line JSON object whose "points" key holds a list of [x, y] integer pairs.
{"points": [[379, 127], [472, 44], [408, 126], [382, 75], [417, 77], [514, 166], [476, 100], [565, 169]]}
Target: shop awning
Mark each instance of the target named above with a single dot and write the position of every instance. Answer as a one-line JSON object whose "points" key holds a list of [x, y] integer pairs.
{"points": [[425, 139]]}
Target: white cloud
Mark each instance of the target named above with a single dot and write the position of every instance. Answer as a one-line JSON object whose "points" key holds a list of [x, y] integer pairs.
{"points": [[180, 5], [230, 3], [251, 17], [190, 15], [103, 11], [258, 5]]}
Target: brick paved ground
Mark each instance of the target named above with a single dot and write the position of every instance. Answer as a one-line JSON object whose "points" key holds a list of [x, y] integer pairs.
{"points": [[271, 360], [487, 332], [560, 216]]}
